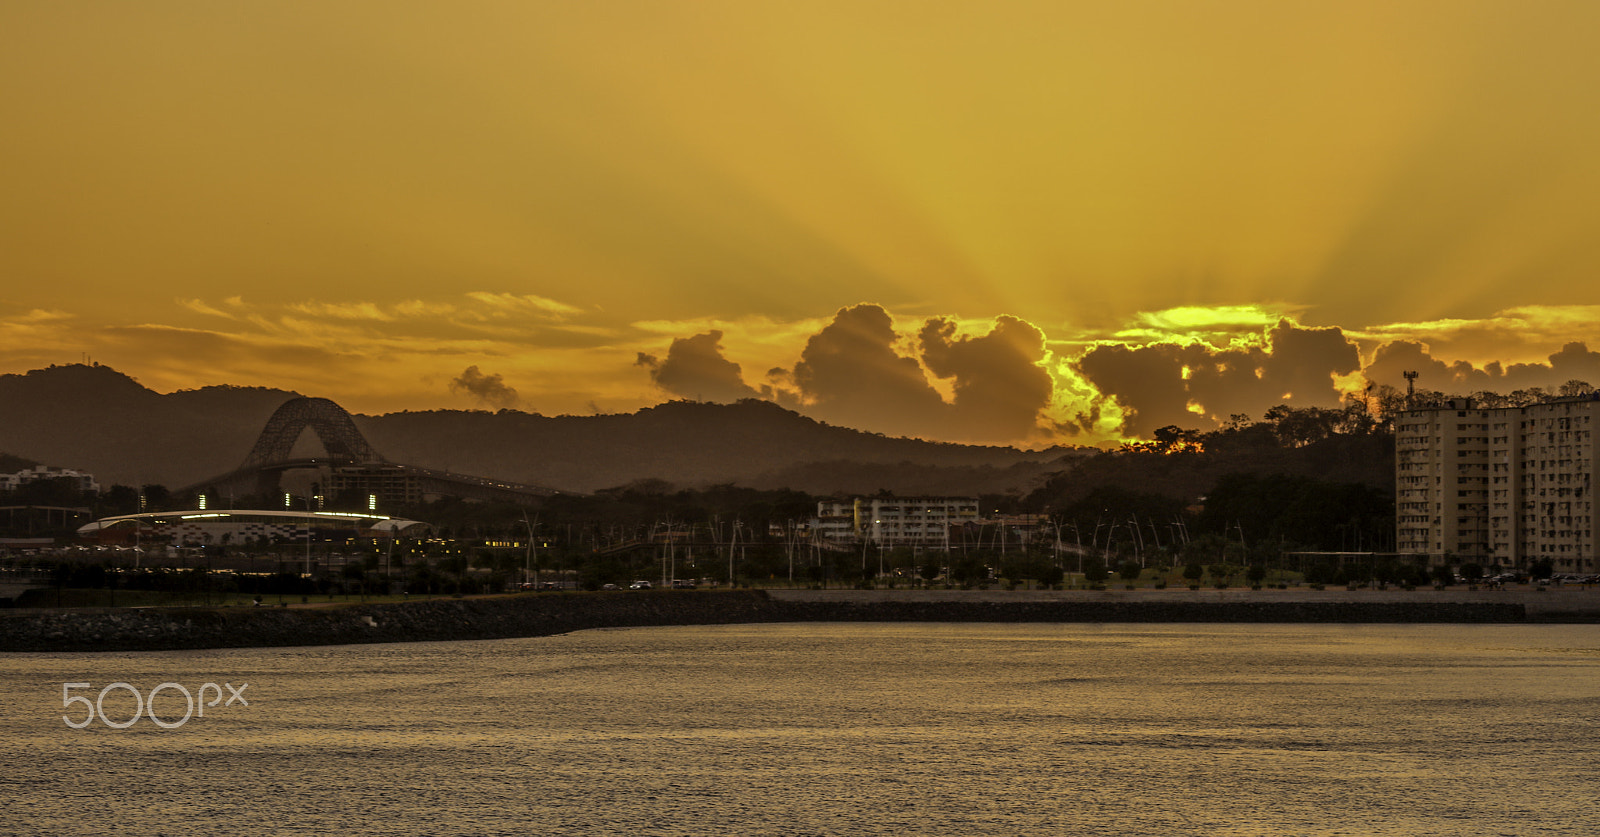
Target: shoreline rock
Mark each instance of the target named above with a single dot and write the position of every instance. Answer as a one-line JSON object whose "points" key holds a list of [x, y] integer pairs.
{"points": [[546, 614]]}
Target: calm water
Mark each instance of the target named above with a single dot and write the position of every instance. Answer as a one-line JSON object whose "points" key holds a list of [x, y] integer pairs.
{"points": [[833, 729]]}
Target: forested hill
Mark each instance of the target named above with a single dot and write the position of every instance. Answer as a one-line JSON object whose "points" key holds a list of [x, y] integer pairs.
{"points": [[752, 443], [102, 421], [1185, 475], [11, 464], [99, 420]]}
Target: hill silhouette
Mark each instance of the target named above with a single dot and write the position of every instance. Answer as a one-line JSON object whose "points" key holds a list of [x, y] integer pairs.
{"points": [[97, 419], [752, 443], [11, 464]]}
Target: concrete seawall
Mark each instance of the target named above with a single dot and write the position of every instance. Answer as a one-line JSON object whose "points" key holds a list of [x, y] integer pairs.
{"points": [[546, 614], [1557, 604]]}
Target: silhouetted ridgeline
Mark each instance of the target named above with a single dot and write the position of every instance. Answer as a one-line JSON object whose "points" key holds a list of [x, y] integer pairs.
{"points": [[96, 419], [751, 443], [555, 613]]}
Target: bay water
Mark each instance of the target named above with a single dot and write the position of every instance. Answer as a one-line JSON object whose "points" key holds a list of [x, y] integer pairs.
{"points": [[823, 729]]}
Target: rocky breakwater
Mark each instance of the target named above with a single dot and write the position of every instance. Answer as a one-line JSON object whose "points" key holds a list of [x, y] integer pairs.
{"points": [[545, 614], [535, 614]]}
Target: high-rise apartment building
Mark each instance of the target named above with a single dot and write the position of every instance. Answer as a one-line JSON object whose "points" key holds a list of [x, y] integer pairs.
{"points": [[1507, 486]]}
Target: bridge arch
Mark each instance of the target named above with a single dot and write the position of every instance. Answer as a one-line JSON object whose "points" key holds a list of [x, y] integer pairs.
{"points": [[333, 426]]}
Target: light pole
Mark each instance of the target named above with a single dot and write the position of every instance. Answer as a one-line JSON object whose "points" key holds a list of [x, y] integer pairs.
{"points": [[528, 566], [388, 561], [308, 536]]}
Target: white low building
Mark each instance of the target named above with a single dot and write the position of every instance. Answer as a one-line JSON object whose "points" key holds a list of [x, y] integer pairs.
{"points": [[200, 527], [895, 521]]}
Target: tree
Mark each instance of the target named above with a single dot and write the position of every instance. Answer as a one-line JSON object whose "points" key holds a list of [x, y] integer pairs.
{"points": [[1255, 574], [1094, 570], [1389, 402], [1312, 513], [968, 569], [156, 498], [355, 574], [1575, 388], [1193, 571], [1526, 397], [1300, 427], [118, 500], [55, 491], [1129, 570], [456, 565], [1172, 439]]}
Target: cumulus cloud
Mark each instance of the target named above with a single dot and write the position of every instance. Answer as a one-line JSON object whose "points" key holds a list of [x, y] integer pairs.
{"points": [[859, 371], [1000, 389], [696, 368], [1146, 382], [852, 373], [1573, 362], [1199, 385], [489, 390]]}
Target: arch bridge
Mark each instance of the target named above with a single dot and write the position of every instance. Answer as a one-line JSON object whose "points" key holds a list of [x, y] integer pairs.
{"points": [[351, 464]]}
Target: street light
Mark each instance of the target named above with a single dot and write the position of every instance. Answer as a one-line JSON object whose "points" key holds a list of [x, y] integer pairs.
{"points": [[527, 558], [308, 536]]}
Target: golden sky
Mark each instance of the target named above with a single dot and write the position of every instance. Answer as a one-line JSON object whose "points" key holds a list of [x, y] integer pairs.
{"points": [[1101, 217]]}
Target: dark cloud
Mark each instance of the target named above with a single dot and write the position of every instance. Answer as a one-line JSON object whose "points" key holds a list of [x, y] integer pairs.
{"points": [[1574, 362], [851, 374], [1303, 362], [781, 388], [1145, 381], [854, 372], [490, 390], [1000, 389], [695, 368], [1395, 358], [1198, 385]]}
